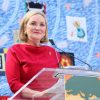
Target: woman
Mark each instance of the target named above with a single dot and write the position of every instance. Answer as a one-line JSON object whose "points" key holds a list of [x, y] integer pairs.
{"points": [[25, 60]]}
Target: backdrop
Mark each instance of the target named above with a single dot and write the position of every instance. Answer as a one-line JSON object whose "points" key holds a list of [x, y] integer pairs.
{"points": [[72, 24]]}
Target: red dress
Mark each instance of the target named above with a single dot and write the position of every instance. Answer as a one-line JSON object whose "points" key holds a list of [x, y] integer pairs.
{"points": [[24, 61]]}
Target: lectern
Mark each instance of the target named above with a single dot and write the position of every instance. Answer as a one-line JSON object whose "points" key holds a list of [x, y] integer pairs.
{"points": [[63, 84]]}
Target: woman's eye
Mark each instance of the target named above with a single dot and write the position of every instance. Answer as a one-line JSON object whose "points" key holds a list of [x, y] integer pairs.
{"points": [[33, 23], [42, 24]]}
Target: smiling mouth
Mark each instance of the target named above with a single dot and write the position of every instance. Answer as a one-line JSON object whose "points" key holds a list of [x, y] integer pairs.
{"points": [[36, 33]]}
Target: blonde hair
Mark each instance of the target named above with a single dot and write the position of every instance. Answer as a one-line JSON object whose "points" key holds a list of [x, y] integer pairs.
{"points": [[22, 35], [76, 23]]}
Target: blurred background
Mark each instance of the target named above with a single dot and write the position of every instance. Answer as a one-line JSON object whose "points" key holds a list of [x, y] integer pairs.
{"points": [[74, 25]]}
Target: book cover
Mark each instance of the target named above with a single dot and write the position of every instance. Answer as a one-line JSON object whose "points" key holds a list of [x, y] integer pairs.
{"points": [[82, 87]]}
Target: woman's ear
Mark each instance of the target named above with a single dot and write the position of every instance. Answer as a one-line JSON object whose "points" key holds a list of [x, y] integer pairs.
{"points": [[25, 29]]}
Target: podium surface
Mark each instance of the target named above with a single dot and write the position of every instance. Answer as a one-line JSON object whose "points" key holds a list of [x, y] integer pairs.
{"points": [[63, 84]]}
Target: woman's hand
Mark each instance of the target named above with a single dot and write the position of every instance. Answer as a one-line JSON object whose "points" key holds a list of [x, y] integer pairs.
{"points": [[43, 94], [38, 94], [29, 93]]}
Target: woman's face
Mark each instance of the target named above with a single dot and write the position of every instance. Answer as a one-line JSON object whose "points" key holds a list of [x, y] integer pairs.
{"points": [[36, 28]]}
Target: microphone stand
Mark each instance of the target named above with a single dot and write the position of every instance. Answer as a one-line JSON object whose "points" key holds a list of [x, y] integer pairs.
{"points": [[52, 42]]}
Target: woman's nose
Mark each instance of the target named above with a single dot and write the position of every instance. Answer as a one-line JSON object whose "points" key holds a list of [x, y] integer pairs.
{"points": [[37, 27]]}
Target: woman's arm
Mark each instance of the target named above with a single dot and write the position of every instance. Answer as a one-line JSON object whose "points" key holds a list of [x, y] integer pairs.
{"points": [[13, 71], [29, 93], [13, 76]]}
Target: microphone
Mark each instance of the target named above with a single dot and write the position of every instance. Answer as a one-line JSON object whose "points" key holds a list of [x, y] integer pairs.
{"points": [[52, 42]]}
